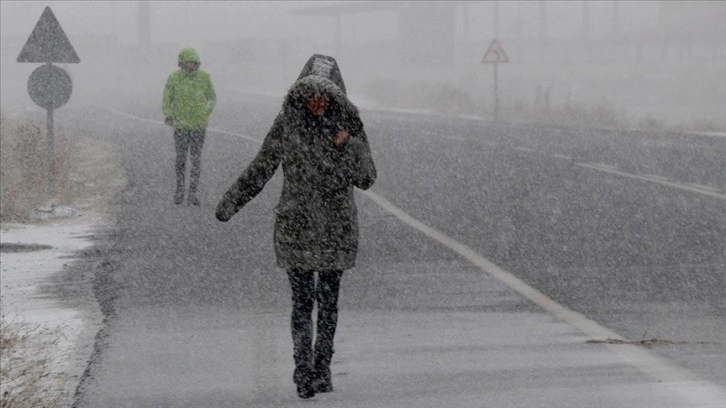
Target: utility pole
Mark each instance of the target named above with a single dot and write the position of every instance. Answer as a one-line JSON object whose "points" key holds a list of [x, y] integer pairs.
{"points": [[586, 27], [518, 24], [186, 26], [542, 26], [338, 17], [144, 22], [496, 19], [465, 19]]}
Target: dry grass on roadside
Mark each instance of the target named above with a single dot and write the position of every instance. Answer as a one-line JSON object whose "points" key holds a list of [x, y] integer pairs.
{"points": [[24, 173], [26, 377], [88, 170]]}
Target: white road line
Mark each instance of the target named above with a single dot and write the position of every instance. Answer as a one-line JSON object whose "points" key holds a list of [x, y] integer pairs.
{"points": [[704, 187], [655, 177], [713, 134], [697, 391], [224, 132], [653, 180], [454, 138], [118, 112], [525, 149], [561, 156], [603, 166], [158, 122]]}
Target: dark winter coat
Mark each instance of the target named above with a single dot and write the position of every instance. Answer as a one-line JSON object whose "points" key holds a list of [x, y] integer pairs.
{"points": [[316, 223]]}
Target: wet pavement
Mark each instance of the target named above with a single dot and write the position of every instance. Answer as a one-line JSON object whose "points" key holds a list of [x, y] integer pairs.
{"points": [[198, 314]]}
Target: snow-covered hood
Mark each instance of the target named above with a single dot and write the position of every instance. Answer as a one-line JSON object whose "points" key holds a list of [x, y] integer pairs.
{"points": [[189, 55], [323, 66]]}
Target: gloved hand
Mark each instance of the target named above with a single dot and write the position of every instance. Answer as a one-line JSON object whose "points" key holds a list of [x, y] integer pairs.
{"points": [[169, 121], [224, 211]]}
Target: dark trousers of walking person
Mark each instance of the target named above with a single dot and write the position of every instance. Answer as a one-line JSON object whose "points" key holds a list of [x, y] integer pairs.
{"points": [[312, 364], [188, 143]]}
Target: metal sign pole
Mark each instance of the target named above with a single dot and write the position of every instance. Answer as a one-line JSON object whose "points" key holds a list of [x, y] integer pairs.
{"points": [[50, 153], [496, 91]]}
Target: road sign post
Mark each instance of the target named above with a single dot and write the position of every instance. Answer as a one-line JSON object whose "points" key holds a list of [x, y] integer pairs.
{"points": [[496, 91], [49, 86], [495, 55]]}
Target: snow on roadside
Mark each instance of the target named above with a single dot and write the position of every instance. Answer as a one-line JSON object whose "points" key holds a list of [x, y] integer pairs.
{"points": [[71, 330]]}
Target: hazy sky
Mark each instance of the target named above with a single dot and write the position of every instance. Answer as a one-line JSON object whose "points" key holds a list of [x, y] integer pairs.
{"points": [[209, 20], [682, 60]]}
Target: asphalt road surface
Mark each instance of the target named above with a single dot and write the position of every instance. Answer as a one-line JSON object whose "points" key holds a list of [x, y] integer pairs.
{"points": [[623, 231]]}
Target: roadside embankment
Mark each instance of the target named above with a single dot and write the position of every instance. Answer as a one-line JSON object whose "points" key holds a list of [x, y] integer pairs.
{"points": [[48, 225]]}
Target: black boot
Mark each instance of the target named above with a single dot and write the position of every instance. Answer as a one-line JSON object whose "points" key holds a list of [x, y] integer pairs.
{"points": [[303, 287], [303, 378], [179, 196], [327, 295], [323, 381], [193, 200]]}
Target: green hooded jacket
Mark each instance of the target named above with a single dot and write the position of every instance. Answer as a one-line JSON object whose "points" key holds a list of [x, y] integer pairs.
{"points": [[189, 97]]}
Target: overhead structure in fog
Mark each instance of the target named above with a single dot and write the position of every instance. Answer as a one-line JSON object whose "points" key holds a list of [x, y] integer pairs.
{"points": [[337, 11], [144, 22], [426, 30], [542, 27]]}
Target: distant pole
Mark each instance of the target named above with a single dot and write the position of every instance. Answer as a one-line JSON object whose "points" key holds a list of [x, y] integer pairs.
{"points": [[542, 26], [586, 26], [285, 51], [496, 92], [518, 25], [144, 26], [465, 19], [337, 37], [496, 19], [466, 22], [186, 23]]}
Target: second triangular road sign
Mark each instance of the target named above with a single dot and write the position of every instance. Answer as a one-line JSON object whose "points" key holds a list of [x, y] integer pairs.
{"points": [[495, 54]]}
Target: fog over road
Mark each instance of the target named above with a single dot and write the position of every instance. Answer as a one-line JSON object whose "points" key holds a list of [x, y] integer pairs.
{"points": [[626, 228]]}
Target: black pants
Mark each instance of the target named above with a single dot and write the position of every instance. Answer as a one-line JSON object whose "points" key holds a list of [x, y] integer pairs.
{"points": [[188, 142], [304, 294]]}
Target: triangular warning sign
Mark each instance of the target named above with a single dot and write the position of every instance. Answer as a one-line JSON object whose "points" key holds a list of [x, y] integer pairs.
{"points": [[48, 42], [495, 54]]}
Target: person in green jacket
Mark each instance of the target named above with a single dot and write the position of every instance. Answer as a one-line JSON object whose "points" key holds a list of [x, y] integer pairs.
{"points": [[189, 99]]}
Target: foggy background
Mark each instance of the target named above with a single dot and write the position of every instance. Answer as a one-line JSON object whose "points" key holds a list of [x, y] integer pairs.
{"points": [[613, 63]]}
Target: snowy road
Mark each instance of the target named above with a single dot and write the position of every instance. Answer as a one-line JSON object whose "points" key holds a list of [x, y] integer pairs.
{"points": [[625, 230]]}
